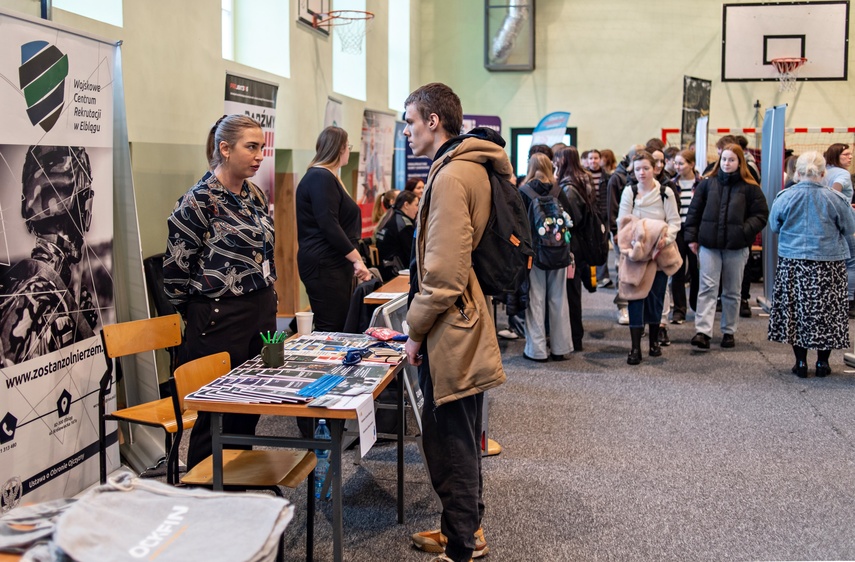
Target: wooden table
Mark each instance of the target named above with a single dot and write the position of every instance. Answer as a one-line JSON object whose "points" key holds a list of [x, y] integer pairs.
{"points": [[335, 420], [399, 285]]}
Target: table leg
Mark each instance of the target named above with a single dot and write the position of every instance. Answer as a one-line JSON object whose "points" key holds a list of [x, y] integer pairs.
{"points": [[336, 431], [401, 446], [217, 450]]}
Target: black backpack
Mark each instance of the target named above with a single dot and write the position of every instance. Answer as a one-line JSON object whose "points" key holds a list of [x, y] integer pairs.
{"points": [[503, 256], [592, 238], [550, 228]]}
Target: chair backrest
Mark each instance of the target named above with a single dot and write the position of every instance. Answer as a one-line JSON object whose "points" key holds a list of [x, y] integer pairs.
{"points": [[193, 375], [136, 336], [153, 268]]}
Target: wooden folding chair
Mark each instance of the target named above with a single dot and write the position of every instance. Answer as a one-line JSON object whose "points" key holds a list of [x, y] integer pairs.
{"points": [[266, 469], [130, 338]]}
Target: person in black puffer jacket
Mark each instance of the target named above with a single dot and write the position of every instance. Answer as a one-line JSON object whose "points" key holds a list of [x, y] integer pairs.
{"points": [[727, 212]]}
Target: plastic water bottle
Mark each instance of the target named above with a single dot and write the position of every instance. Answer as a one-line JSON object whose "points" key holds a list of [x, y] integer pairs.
{"points": [[322, 432]]}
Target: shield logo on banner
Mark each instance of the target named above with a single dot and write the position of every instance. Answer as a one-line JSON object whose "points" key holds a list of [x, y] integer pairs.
{"points": [[42, 78]]}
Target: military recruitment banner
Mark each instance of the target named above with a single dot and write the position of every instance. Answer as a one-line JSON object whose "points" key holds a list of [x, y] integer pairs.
{"points": [[255, 99], [56, 236]]}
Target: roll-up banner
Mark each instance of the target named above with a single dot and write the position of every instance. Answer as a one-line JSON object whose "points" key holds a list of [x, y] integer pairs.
{"points": [[56, 238], [375, 163], [246, 96]]}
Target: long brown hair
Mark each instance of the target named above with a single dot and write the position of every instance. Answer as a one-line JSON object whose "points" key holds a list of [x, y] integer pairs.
{"points": [[569, 168], [331, 143], [743, 167], [539, 163]]}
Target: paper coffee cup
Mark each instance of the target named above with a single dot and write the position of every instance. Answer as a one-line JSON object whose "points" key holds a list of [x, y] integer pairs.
{"points": [[304, 322]]}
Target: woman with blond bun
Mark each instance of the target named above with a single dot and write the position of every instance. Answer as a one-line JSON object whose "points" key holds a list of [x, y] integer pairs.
{"points": [[218, 269], [809, 308]]}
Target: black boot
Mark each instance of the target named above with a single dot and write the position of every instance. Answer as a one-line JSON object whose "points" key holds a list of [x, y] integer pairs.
{"points": [[823, 369], [800, 368], [655, 348], [634, 357]]}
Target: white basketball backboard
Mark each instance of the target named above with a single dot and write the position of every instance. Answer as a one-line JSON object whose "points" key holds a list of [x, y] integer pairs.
{"points": [[754, 34], [306, 10]]}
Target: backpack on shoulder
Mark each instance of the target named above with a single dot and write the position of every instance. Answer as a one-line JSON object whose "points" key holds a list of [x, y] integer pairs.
{"points": [[663, 193], [550, 227], [592, 239], [504, 254]]}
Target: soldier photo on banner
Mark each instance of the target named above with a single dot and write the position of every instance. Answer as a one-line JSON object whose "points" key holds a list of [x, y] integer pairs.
{"points": [[54, 286]]}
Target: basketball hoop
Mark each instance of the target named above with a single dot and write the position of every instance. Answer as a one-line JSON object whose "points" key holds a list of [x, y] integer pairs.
{"points": [[788, 71], [351, 26]]}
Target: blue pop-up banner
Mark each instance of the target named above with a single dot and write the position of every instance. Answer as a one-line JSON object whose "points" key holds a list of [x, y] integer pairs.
{"points": [[551, 128]]}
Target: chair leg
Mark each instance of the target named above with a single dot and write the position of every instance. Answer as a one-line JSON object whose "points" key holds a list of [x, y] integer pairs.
{"points": [[310, 517], [102, 439], [171, 461]]}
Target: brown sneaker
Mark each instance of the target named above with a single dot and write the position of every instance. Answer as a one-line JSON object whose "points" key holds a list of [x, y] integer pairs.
{"points": [[435, 541]]}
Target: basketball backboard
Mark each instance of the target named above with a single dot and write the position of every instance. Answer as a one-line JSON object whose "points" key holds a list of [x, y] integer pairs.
{"points": [[754, 34], [306, 10]]}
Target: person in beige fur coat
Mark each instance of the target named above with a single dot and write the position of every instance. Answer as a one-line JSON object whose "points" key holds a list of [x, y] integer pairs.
{"points": [[650, 219]]}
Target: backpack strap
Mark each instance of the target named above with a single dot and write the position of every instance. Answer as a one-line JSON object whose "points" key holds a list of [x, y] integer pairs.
{"points": [[529, 191], [662, 193]]}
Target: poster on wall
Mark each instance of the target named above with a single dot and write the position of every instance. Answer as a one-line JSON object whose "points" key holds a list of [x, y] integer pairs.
{"points": [[56, 238], [696, 104], [376, 150], [333, 113], [246, 96]]}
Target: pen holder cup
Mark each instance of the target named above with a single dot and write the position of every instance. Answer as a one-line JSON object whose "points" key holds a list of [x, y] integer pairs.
{"points": [[273, 354]]}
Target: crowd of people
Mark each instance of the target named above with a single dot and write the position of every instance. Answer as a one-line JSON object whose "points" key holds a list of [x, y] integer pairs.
{"points": [[673, 228], [664, 220]]}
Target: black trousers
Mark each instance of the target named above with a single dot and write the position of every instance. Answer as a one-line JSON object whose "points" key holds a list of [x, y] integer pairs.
{"points": [[574, 301], [451, 437], [745, 292], [232, 324], [689, 272], [329, 290]]}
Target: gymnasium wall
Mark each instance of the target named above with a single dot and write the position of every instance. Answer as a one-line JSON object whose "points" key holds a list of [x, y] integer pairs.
{"points": [[617, 66], [174, 82]]}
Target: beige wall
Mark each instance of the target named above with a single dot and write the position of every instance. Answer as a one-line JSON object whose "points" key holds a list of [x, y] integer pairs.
{"points": [[174, 83], [616, 65]]}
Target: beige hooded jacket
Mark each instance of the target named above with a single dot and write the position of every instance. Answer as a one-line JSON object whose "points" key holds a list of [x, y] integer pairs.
{"points": [[450, 310]]}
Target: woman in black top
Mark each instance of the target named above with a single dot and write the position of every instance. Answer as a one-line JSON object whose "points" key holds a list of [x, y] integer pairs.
{"points": [[218, 269], [329, 224], [395, 238], [576, 184]]}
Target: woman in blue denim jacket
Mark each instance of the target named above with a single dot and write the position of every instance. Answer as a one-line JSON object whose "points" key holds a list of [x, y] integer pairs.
{"points": [[809, 309]]}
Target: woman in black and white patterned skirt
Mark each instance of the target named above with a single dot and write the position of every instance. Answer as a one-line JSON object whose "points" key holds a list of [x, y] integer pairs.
{"points": [[809, 309]]}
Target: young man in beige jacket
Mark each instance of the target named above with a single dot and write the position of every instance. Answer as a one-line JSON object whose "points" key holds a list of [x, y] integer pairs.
{"points": [[452, 338]]}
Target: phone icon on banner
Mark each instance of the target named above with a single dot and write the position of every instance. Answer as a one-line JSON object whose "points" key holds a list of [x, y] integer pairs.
{"points": [[7, 428]]}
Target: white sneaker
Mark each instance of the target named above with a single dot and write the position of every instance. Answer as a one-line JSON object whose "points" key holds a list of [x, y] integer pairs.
{"points": [[508, 335], [623, 317]]}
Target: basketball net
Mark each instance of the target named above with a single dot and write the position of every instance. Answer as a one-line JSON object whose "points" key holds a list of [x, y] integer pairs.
{"points": [[788, 71], [350, 27]]}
